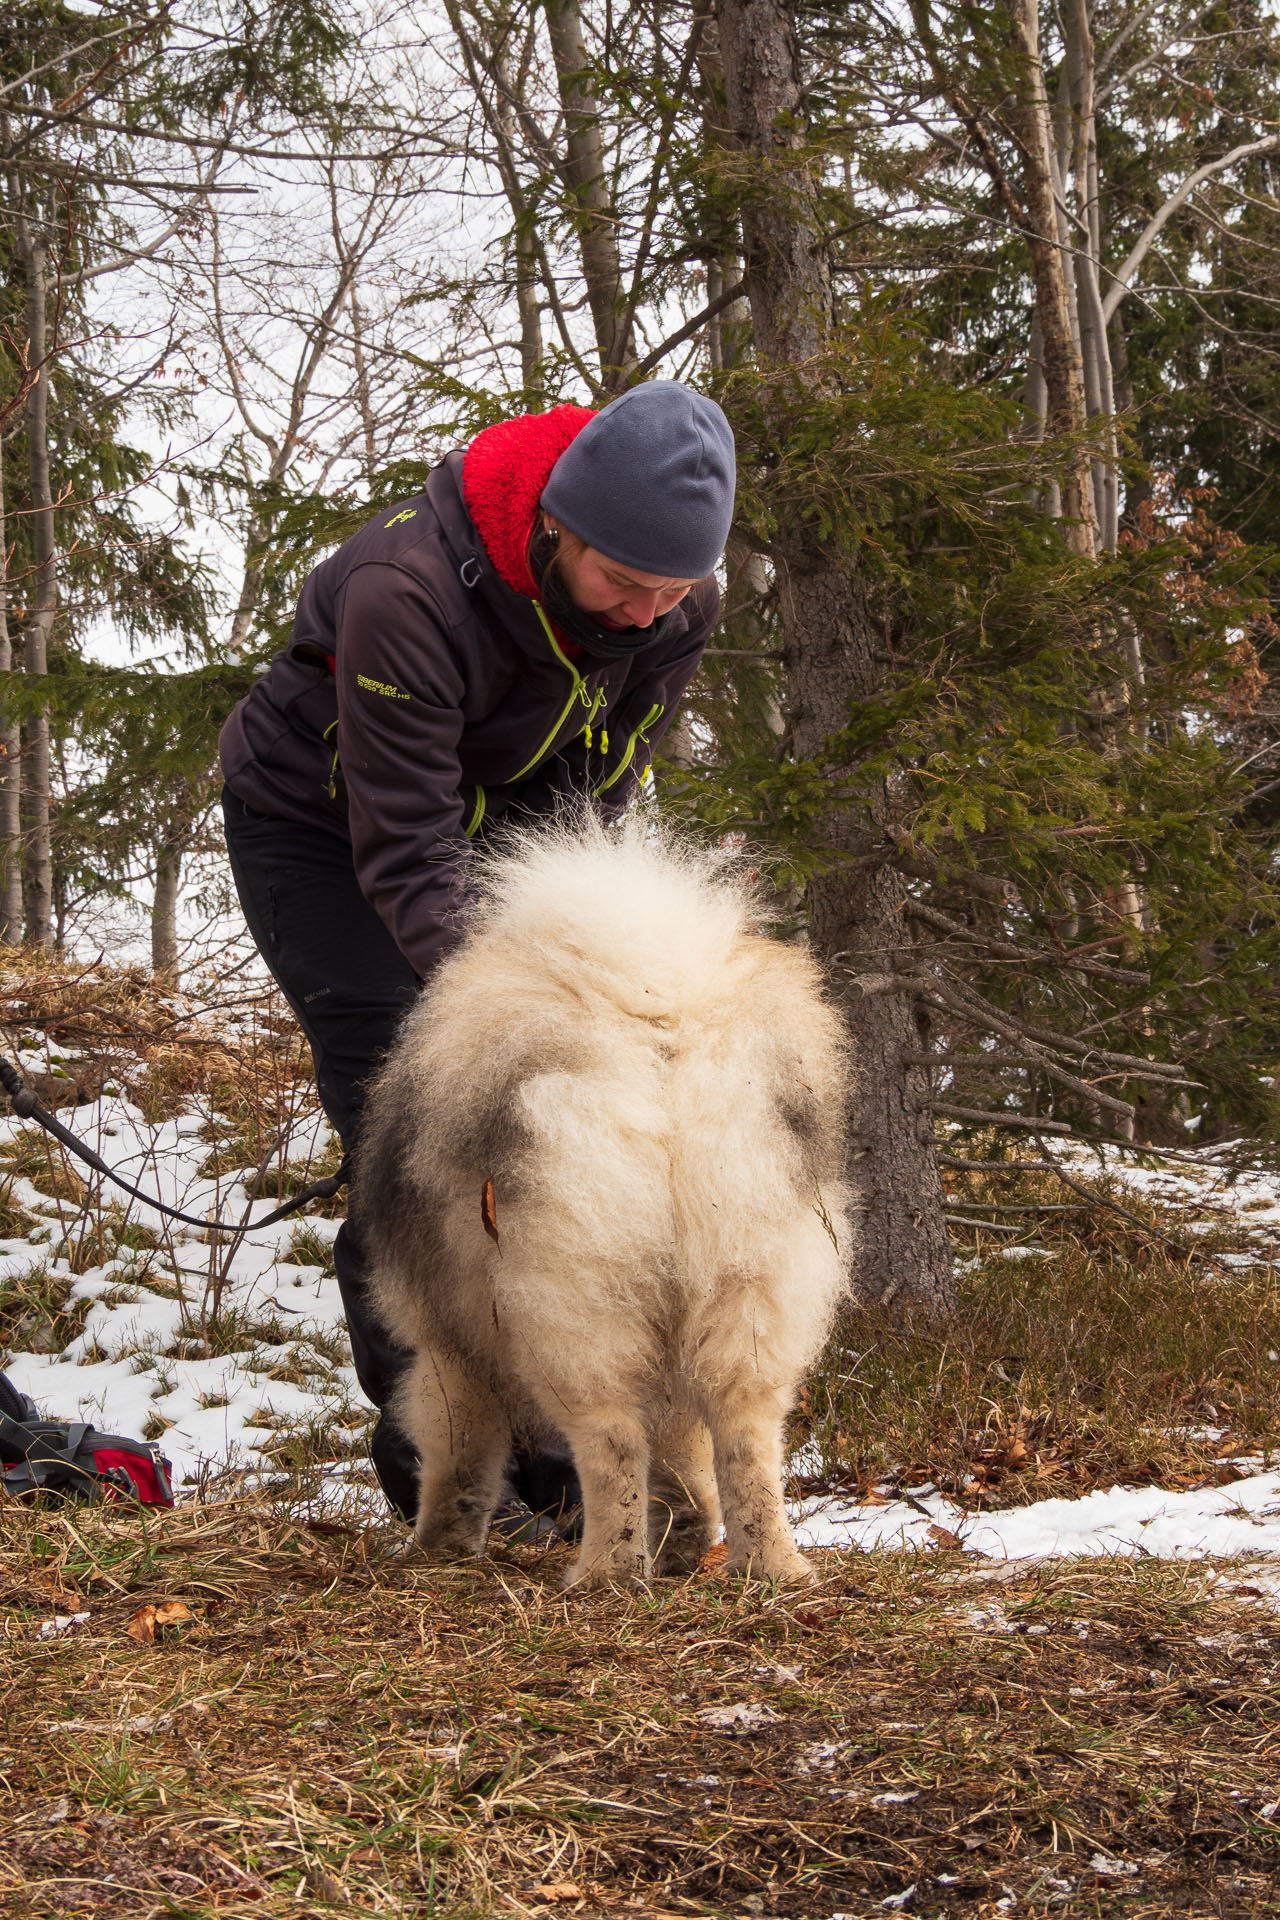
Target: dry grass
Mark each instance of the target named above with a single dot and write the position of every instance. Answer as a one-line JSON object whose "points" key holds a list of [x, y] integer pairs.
{"points": [[113, 1028], [1105, 1355], [36, 1310], [340, 1730]]}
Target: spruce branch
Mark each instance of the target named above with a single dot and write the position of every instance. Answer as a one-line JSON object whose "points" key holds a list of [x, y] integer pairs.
{"points": [[956, 1163], [1113, 1206], [972, 1006], [994, 1117], [1035, 1062], [687, 331], [967, 1207], [967, 1220], [1015, 950]]}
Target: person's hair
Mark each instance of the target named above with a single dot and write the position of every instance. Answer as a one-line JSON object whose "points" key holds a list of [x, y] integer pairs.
{"points": [[547, 556]]}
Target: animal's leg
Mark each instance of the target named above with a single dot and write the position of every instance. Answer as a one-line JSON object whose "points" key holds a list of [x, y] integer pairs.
{"points": [[684, 1513], [462, 1437], [611, 1453], [746, 1428]]}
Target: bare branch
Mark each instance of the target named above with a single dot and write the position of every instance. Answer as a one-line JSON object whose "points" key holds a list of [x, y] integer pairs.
{"points": [[1121, 275], [687, 331], [199, 197], [932, 916]]}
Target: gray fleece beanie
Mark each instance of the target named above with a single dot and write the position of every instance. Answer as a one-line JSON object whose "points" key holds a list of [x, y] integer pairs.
{"points": [[649, 481]]}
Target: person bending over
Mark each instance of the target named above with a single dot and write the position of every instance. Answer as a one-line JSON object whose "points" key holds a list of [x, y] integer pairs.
{"points": [[513, 639]]}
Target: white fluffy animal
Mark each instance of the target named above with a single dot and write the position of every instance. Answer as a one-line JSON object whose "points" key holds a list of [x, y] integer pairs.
{"points": [[657, 1094]]}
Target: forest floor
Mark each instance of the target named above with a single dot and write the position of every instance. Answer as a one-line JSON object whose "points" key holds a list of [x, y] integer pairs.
{"points": [[1038, 1673]]}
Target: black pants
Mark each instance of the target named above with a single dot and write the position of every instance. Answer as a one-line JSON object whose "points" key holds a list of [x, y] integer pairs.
{"points": [[349, 987]]}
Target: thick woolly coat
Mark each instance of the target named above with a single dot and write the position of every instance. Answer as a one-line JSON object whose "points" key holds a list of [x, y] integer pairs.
{"points": [[422, 698]]}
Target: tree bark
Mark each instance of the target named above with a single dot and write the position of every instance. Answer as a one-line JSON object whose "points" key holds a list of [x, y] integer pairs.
{"points": [[250, 592], [584, 172], [1063, 370], [164, 912], [729, 331], [830, 641], [532, 353], [38, 865], [364, 400], [10, 766], [1095, 343], [526, 259]]}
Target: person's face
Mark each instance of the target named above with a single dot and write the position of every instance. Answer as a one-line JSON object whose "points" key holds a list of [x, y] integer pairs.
{"points": [[617, 596]]}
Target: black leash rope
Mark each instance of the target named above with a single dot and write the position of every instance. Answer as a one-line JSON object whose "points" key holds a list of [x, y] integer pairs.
{"points": [[23, 1101]]}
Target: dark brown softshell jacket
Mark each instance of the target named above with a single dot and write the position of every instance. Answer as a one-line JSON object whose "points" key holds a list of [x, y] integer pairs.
{"points": [[448, 705]]}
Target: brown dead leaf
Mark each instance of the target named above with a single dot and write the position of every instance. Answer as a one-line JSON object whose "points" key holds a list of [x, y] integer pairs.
{"points": [[815, 1616], [62, 1599], [489, 1214], [714, 1558], [560, 1890], [944, 1537], [145, 1623]]}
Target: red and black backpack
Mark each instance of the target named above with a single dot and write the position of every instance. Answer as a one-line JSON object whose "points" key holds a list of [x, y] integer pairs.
{"points": [[70, 1458]]}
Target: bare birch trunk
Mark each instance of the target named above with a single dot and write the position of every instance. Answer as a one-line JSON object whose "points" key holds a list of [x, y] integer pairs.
{"points": [[10, 766], [38, 865], [1063, 373], [830, 641], [584, 172], [250, 591], [1082, 247], [1095, 344], [531, 348], [677, 745]]}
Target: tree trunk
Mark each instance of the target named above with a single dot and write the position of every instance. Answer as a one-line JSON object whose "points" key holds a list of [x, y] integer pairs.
{"points": [[164, 912], [10, 766], [532, 376], [364, 399], [1063, 371], [830, 642], [250, 589], [1095, 344], [584, 173], [38, 876], [729, 331]]}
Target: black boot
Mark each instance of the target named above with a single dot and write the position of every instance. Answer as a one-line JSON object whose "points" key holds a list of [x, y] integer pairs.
{"points": [[379, 1363]]}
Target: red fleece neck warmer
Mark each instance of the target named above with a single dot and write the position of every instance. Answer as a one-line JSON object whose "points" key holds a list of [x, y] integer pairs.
{"points": [[503, 474]]}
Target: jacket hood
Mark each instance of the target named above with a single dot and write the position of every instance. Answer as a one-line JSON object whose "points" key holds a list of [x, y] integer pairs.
{"points": [[504, 471]]}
